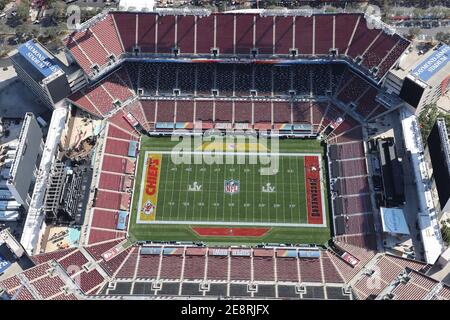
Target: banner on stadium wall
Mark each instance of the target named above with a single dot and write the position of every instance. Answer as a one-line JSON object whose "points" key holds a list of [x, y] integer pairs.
{"points": [[132, 149], [349, 259], [308, 254], [111, 253], [131, 120], [164, 125], [38, 58], [263, 252], [242, 126], [263, 126], [287, 253], [122, 220], [173, 251], [301, 127], [195, 251], [241, 252], [149, 188], [283, 127], [218, 252], [151, 251], [206, 125], [223, 125], [184, 125]]}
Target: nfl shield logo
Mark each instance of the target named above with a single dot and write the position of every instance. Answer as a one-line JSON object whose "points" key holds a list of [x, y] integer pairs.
{"points": [[231, 186], [148, 208]]}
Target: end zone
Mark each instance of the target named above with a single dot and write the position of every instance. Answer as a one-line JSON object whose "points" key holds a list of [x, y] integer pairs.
{"points": [[148, 199], [314, 191]]}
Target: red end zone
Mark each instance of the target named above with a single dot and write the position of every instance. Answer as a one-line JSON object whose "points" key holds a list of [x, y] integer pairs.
{"points": [[313, 192], [230, 232]]}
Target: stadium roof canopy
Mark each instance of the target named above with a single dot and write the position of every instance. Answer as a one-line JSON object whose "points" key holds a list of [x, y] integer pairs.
{"points": [[426, 215], [36, 215], [393, 221]]}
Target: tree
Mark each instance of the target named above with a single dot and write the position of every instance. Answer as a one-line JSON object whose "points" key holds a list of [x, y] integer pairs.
{"points": [[59, 10], [4, 29], [50, 3], [427, 118], [443, 37], [445, 231], [221, 6], [51, 37], [413, 33], [3, 53], [418, 13], [387, 8], [88, 14], [51, 33], [22, 30], [3, 4], [330, 9], [270, 3], [435, 12], [23, 10]]}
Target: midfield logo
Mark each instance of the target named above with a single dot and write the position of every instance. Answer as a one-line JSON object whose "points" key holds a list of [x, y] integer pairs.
{"points": [[195, 187], [268, 188], [231, 186]]}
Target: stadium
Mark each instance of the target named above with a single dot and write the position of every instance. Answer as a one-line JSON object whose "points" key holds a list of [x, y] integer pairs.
{"points": [[304, 89]]}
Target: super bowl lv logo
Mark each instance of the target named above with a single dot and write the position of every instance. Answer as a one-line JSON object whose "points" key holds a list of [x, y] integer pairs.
{"points": [[231, 186]]}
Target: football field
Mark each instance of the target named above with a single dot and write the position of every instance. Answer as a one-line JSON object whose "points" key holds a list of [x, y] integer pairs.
{"points": [[239, 188]]}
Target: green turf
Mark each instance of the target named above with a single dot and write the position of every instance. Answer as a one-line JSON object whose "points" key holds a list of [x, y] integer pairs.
{"points": [[286, 204], [176, 203], [304, 235]]}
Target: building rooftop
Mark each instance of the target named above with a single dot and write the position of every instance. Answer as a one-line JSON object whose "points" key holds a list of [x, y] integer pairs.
{"points": [[428, 68]]}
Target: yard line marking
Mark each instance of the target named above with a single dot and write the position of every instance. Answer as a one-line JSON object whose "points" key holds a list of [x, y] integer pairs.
{"points": [[253, 198], [262, 197], [201, 204], [238, 196], [223, 205], [217, 195], [179, 197], [165, 189], [194, 203], [209, 196], [276, 196], [187, 195], [246, 195]]}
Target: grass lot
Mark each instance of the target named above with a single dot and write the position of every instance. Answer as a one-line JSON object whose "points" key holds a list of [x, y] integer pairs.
{"points": [[211, 205]]}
